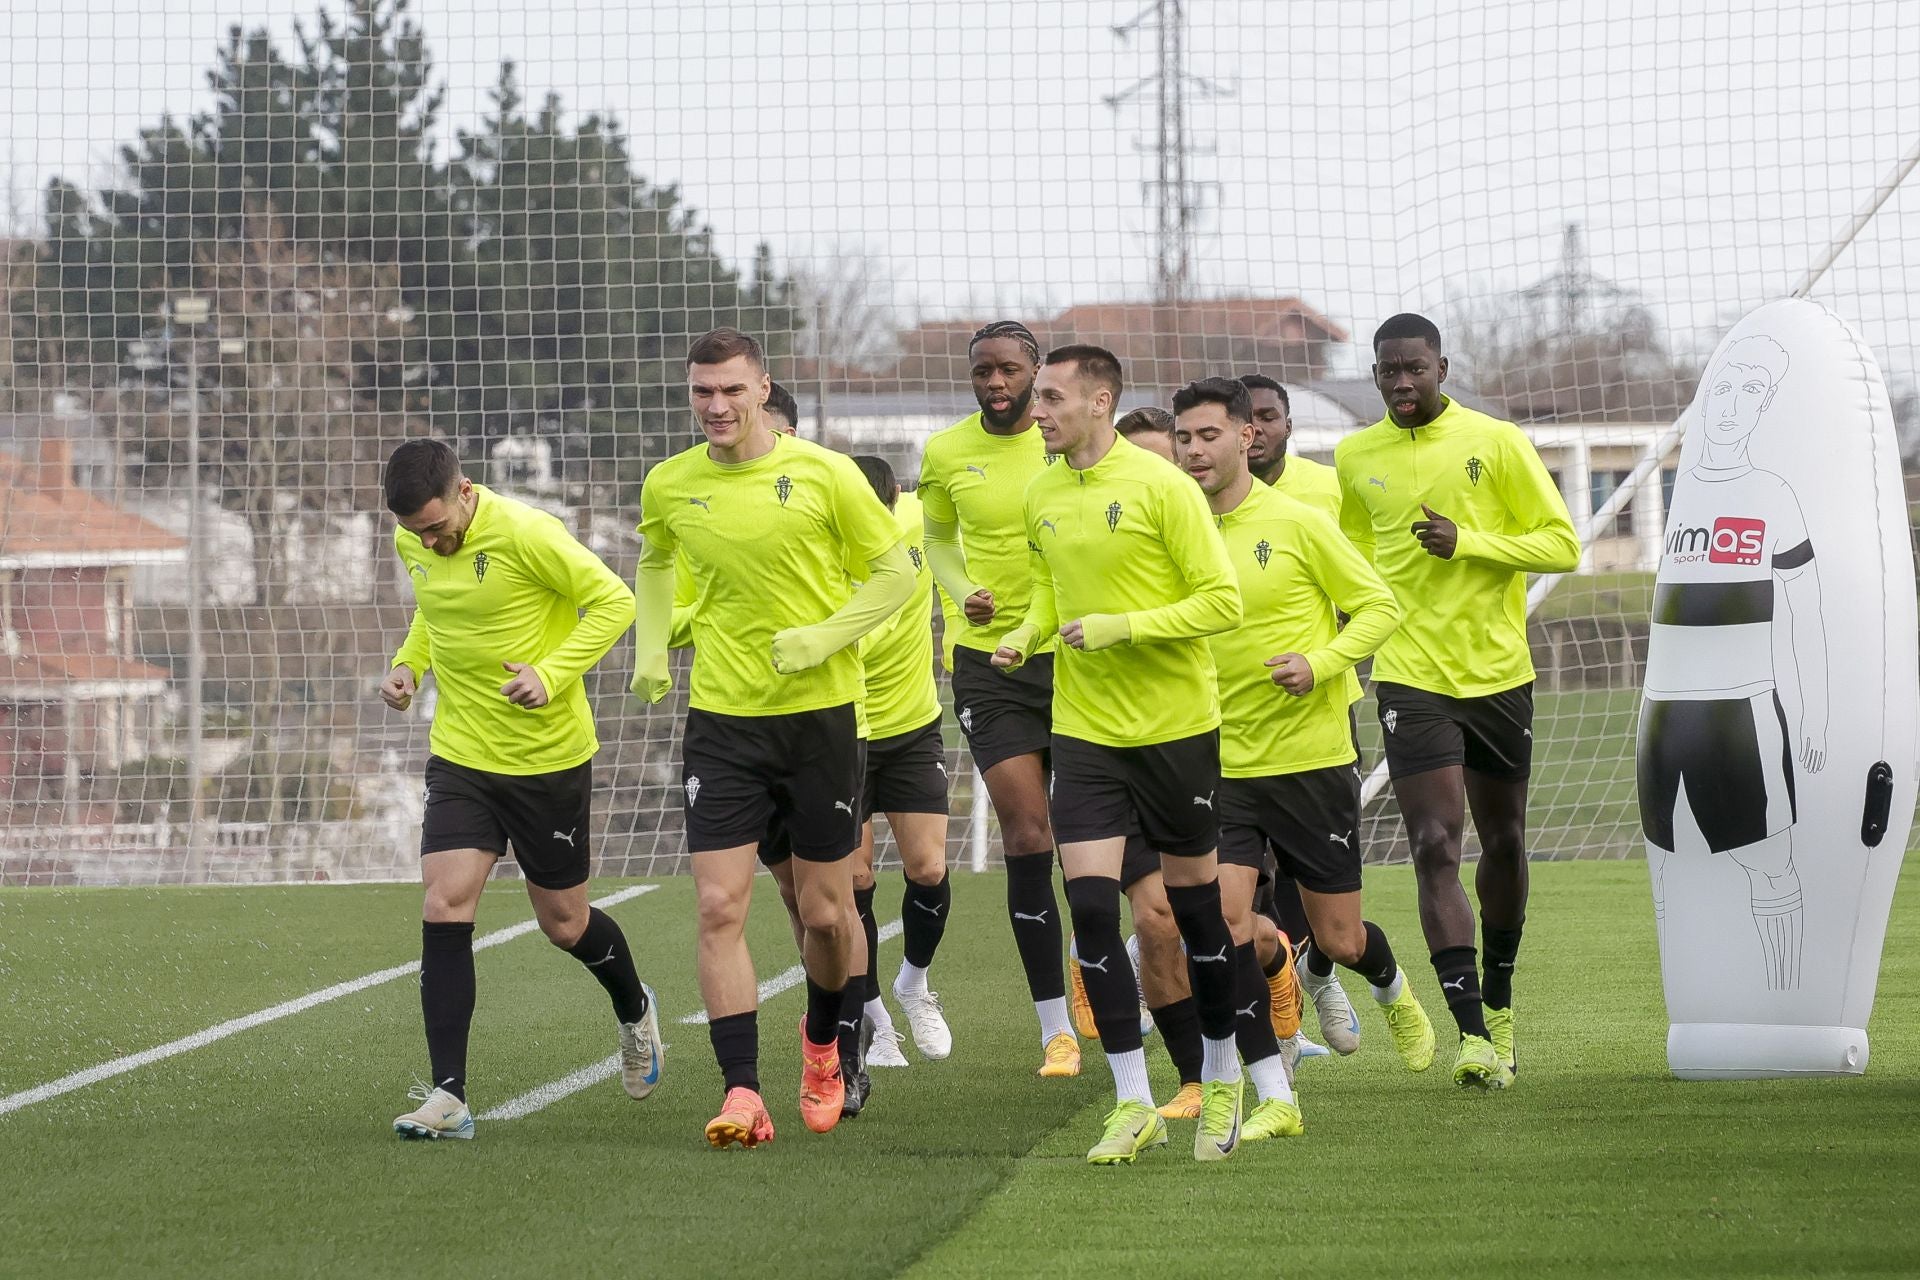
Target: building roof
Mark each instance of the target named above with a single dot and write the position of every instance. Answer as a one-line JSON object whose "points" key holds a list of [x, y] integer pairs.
{"points": [[40, 677], [47, 521], [1274, 319]]}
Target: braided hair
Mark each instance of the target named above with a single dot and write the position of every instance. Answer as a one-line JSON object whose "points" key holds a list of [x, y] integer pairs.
{"points": [[1008, 329]]}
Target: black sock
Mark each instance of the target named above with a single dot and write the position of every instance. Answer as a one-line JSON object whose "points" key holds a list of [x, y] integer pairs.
{"points": [[1499, 947], [1196, 909], [867, 984], [1460, 988], [923, 920], [823, 1013], [1289, 913], [1179, 1025], [1318, 963], [446, 999], [852, 1010], [1104, 964], [1376, 964], [1252, 1025], [1035, 916], [736, 1047], [603, 949]]}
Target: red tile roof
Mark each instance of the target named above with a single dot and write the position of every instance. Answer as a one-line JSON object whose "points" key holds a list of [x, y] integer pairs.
{"points": [[85, 675], [45, 517]]}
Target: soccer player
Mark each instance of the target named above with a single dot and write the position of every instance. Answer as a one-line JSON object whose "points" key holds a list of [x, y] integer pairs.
{"points": [[771, 526], [1150, 427], [906, 778], [973, 477], [1455, 509], [1289, 782], [501, 587], [1129, 574]]}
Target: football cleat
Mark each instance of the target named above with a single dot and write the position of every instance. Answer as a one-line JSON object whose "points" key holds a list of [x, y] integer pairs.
{"points": [[931, 1035], [1500, 1031], [1063, 1057], [1131, 1127], [1339, 1024], [641, 1052], [1273, 1118], [1219, 1131], [1478, 1066], [1184, 1105], [743, 1119], [1412, 1032], [822, 1088], [1079, 1008], [439, 1115]]}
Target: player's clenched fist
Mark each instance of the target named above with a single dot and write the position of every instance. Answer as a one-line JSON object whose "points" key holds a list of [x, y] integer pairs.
{"points": [[398, 688], [1293, 673]]}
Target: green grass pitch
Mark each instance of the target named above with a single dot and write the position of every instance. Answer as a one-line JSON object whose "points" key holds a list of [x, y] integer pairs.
{"points": [[269, 1153]]}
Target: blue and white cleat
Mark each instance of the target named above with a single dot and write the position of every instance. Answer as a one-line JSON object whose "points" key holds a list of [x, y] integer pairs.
{"points": [[1140, 987], [1305, 1048], [439, 1115], [641, 1052], [1339, 1024]]}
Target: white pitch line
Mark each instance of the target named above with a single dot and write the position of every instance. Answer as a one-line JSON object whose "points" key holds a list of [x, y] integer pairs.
{"points": [[286, 1009], [594, 1072]]}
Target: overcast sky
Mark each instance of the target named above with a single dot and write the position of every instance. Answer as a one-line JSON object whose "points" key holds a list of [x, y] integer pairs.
{"points": [[1375, 155]]}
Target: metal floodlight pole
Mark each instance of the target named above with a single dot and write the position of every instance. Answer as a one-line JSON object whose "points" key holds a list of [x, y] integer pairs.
{"points": [[190, 312]]}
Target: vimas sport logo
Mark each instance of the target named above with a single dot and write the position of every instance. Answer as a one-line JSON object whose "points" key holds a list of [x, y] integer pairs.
{"points": [[1731, 540]]}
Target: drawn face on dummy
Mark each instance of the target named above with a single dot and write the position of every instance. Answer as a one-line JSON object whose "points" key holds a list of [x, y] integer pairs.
{"points": [[1739, 389]]}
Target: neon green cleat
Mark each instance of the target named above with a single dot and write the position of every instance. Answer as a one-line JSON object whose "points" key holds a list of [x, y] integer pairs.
{"points": [[1479, 1065], [1219, 1131], [1132, 1127], [1412, 1032], [1500, 1031], [1273, 1119]]}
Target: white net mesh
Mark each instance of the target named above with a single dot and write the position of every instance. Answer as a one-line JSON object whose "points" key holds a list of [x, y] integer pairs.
{"points": [[392, 233]]}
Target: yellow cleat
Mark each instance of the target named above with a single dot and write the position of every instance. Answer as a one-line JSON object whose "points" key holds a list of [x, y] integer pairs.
{"points": [[1500, 1031], [1273, 1119], [1283, 996], [1479, 1065], [1184, 1105], [1412, 1032], [1062, 1057], [1132, 1127], [1079, 1008]]}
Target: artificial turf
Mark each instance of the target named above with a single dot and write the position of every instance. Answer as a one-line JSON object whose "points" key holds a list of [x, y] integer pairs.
{"points": [[269, 1154]]}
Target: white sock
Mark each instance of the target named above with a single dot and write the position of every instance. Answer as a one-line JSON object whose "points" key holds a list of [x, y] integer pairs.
{"points": [[876, 1009], [1053, 1019], [1130, 1076], [1220, 1062], [912, 979], [1391, 992], [1270, 1078]]}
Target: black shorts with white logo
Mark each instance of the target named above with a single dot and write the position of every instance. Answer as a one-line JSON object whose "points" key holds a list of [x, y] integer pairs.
{"points": [[1492, 735], [906, 773], [1003, 713], [747, 779], [1734, 757], [543, 818], [1309, 822], [1162, 792]]}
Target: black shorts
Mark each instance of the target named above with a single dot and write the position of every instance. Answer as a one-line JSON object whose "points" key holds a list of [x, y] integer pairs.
{"points": [[906, 773], [543, 817], [1137, 862], [1164, 792], [1003, 713], [745, 778], [1492, 735], [1309, 821], [1736, 759]]}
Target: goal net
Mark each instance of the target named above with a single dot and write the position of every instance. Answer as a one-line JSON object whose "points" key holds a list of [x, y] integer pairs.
{"points": [[246, 252]]}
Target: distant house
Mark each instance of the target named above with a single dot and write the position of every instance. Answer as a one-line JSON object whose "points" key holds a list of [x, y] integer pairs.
{"points": [[71, 691]]}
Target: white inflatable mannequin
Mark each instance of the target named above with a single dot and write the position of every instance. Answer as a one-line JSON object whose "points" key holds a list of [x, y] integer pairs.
{"points": [[1780, 733]]}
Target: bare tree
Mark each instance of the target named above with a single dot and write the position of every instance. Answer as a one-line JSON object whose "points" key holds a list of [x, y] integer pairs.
{"points": [[844, 294]]}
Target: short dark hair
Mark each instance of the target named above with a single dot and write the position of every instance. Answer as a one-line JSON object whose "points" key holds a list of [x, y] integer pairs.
{"points": [[780, 400], [419, 471], [1261, 382], [717, 346], [1006, 329], [1225, 392], [1097, 363], [1147, 418], [1408, 325], [879, 474]]}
